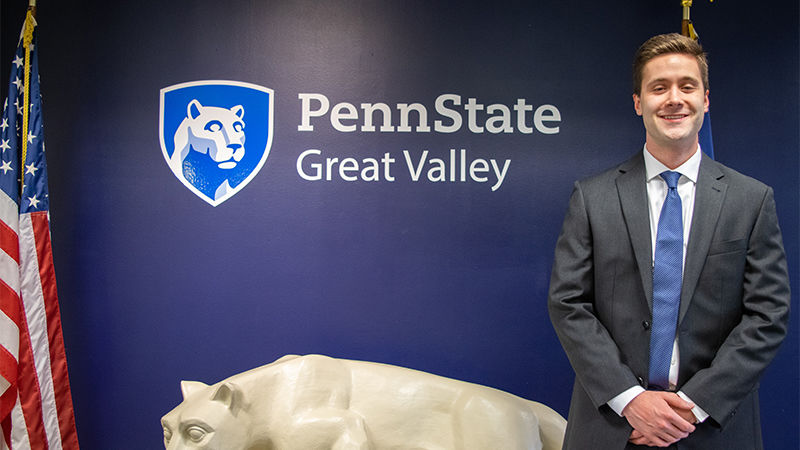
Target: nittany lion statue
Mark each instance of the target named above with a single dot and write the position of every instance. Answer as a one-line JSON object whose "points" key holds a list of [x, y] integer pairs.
{"points": [[209, 142], [317, 402]]}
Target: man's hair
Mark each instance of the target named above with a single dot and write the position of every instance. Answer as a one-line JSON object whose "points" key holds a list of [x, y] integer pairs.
{"points": [[665, 44]]}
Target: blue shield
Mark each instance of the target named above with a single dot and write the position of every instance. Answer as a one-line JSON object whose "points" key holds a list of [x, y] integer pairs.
{"points": [[215, 135]]}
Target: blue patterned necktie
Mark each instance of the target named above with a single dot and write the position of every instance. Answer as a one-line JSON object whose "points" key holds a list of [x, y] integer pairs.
{"points": [[667, 277]]}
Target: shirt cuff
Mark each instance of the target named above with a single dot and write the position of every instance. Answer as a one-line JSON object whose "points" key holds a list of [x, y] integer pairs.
{"points": [[697, 411], [618, 403]]}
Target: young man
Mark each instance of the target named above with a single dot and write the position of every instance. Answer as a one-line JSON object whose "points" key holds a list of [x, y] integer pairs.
{"points": [[669, 293]]}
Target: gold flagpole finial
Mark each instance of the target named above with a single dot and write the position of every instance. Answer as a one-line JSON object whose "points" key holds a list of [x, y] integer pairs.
{"points": [[686, 24], [687, 29]]}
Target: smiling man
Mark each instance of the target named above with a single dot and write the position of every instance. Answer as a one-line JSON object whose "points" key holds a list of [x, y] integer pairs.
{"points": [[669, 290]]}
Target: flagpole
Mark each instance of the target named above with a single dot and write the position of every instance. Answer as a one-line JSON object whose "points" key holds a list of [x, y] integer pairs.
{"points": [[687, 29]]}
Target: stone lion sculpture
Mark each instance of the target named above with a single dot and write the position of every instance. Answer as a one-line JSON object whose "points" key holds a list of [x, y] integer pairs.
{"points": [[317, 402]]}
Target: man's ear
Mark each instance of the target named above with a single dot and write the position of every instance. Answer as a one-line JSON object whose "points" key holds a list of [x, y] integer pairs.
{"points": [[706, 102], [637, 104]]}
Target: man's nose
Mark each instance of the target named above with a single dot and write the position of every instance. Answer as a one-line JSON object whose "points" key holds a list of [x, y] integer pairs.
{"points": [[675, 96]]}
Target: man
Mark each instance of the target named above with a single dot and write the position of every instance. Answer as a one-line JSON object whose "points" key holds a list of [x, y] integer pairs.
{"points": [[670, 294]]}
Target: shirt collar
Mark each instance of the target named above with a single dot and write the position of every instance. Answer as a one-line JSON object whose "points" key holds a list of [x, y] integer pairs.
{"points": [[689, 169]]}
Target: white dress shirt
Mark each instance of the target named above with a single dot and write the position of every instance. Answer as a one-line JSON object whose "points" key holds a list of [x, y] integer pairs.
{"points": [[656, 195]]}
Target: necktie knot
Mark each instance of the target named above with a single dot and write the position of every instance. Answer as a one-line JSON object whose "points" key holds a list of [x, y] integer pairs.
{"points": [[671, 178]]}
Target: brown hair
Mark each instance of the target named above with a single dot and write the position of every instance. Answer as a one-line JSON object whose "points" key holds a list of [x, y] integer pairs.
{"points": [[664, 44]]}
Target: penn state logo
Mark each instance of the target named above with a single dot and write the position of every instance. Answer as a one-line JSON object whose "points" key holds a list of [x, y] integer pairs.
{"points": [[216, 135]]}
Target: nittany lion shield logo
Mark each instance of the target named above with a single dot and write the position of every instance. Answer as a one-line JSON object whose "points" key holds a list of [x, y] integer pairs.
{"points": [[216, 135]]}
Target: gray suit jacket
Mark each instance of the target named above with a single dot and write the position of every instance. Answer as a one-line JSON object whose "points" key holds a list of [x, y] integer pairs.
{"points": [[733, 313]]}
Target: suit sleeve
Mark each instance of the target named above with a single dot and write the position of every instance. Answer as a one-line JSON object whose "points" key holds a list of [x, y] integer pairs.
{"points": [[591, 350], [753, 342]]}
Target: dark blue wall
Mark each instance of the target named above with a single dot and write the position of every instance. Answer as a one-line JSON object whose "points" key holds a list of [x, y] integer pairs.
{"points": [[157, 286]]}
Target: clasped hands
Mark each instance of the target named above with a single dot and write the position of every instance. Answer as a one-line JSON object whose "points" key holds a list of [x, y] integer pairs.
{"points": [[659, 419]]}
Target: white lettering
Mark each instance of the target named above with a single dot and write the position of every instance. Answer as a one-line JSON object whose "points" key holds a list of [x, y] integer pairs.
{"points": [[438, 125], [500, 123], [521, 108], [387, 163], [500, 175], [372, 167], [497, 118], [474, 169], [369, 110], [438, 168], [349, 169], [348, 165], [472, 107], [306, 112], [316, 167], [415, 173], [539, 117], [337, 115], [405, 108]]}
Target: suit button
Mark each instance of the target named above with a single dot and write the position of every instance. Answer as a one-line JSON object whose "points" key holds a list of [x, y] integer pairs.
{"points": [[645, 325], [640, 380]]}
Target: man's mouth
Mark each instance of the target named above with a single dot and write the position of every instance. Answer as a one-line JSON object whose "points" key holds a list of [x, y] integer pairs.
{"points": [[674, 116]]}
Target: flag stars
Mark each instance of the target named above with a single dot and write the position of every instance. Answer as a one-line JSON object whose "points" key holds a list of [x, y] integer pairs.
{"points": [[17, 82], [18, 61], [4, 125], [31, 137], [4, 144], [5, 167], [34, 202], [31, 169]]}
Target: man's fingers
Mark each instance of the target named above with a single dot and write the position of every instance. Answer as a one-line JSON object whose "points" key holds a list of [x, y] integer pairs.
{"points": [[686, 415], [675, 401]]}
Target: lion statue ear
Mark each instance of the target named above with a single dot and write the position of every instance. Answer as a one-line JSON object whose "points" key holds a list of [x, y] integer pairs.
{"points": [[190, 387], [229, 395]]}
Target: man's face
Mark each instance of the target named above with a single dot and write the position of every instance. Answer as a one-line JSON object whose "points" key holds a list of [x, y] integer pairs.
{"points": [[672, 101]]}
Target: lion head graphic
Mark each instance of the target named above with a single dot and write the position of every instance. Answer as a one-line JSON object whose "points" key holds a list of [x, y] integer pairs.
{"points": [[209, 143]]}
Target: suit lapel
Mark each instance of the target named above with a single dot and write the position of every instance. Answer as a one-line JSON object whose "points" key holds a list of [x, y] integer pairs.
{"points": [[633, 200], [708, 198]]}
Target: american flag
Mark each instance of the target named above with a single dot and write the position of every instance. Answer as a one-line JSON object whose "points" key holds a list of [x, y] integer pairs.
{"points": [[35, 399]]}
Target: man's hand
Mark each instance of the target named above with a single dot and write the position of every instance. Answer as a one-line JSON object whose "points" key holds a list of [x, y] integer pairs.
{"points": [[686, 414], [659, 418]]}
